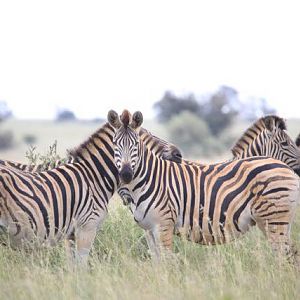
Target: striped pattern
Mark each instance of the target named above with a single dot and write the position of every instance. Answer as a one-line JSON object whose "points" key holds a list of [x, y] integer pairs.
{"points": [[68, 201], [268, 137], [209, 204]]}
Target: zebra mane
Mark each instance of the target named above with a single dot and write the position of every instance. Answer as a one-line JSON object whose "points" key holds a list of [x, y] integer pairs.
{"points": [[169, 151], [270, 123], [77, 151], [298, 140]]}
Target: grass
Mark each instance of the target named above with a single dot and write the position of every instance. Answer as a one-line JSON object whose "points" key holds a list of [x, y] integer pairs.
{"points": [[120, 268]]}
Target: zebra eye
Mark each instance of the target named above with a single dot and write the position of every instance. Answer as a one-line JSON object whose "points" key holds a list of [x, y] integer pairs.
{"points": [[285, 143]]}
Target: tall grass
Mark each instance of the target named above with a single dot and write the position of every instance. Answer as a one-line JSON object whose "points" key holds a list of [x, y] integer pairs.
{"points": [[120, 268]]}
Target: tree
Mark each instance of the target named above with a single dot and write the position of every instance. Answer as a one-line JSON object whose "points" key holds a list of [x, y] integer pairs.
{"points": [[191, 134], [219, 111], [65, 115], [171, 105]]}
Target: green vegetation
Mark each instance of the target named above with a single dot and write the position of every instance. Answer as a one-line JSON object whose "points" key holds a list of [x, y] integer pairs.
{"points": [[47, 160], [193, 136], [212, 115], [120, 268]]}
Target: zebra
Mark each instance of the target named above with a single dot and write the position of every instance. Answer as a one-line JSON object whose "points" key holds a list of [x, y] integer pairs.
{"points": [[68, 202], [208, 203], [268, 137]]}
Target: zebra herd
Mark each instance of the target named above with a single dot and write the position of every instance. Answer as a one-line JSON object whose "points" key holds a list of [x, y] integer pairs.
{"points": [[167, 194]]}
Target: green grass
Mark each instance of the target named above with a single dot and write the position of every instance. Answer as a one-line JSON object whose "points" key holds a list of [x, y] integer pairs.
{"points": [[120, 267]]}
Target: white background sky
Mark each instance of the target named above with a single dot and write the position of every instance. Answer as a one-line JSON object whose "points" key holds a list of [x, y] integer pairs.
{"points": [[91, 56]]}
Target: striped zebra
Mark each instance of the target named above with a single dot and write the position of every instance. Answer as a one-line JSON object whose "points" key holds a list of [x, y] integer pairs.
{"points": [[268, 137], [208, 204], [69, 201]]}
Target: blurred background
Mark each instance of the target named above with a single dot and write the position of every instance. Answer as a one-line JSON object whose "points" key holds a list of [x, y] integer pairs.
{"points": [[200, 71]]}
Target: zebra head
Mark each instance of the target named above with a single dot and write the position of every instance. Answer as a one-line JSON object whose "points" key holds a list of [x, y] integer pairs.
{"points": [[268, 137], [281, 144], [126, 142]]}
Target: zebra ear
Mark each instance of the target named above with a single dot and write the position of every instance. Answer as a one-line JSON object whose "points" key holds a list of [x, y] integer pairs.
{"points": [[114, 119], [298, 140], [137, 120], [273, 122], [269, 123]]}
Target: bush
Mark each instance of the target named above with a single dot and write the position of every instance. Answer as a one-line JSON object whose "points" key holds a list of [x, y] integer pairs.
{"points": [[65, 115], [29, 139], [47, 160], [192, 135], [6, 140]]}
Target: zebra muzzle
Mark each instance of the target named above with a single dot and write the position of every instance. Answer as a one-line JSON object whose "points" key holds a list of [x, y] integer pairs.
{"points": [[126, 173]]}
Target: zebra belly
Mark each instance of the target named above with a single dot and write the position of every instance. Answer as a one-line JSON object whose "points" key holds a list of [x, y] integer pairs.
{"points": [[205, 237], [211, 233]]}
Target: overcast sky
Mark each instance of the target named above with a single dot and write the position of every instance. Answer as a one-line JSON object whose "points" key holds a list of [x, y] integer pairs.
{"points": [[91, 56]]}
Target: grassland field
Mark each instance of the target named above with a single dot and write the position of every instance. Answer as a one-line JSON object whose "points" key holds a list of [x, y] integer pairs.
{"points": [[120, 266]]}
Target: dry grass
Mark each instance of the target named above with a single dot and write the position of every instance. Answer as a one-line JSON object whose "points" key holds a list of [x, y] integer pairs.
{"points": [[120, 268]]}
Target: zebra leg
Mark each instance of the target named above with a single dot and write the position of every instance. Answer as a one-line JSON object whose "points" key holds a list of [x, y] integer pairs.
{"points": [[277, 231], [160, 240], [279, 237], [70, 247], [153, 243], [274, 214], [166, 235], [84, 240]]}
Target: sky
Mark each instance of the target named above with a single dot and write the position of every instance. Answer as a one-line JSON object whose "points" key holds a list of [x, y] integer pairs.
{"points": [[92, 56]]}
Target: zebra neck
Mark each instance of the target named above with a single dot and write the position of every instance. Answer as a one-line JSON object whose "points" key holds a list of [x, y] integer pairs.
{"points": [[141, 164], [155, 144], [252, 145], [96, 156], [149, 177]]}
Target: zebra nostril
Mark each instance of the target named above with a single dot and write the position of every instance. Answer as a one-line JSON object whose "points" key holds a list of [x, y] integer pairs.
{"points": [[126, 173], [297, 171]]}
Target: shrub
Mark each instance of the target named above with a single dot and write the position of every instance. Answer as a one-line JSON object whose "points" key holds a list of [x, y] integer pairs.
{"points": [[6, 140], [47, 160], [29, 139], [192, 135], [65, 115]]}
